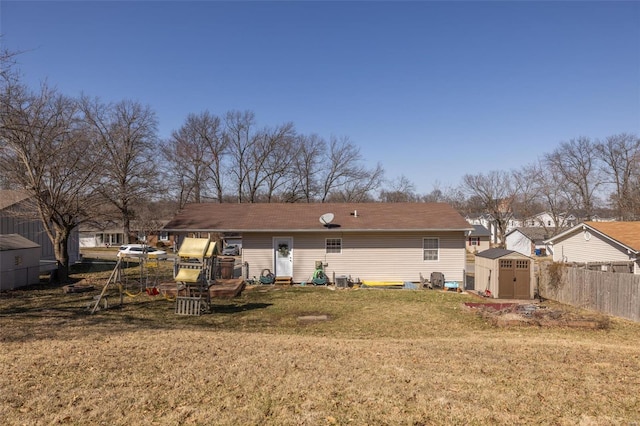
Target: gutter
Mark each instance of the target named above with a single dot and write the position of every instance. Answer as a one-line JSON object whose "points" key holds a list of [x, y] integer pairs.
{"points": [[336, 228]]}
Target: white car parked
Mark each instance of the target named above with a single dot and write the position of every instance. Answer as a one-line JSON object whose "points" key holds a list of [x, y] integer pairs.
{"points": [[140, 250]]}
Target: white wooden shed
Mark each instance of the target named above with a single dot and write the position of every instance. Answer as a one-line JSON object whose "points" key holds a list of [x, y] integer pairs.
{"points": [[507, 274], [19, 262]]}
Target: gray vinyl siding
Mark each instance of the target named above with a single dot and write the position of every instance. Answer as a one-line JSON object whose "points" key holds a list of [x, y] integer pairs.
{"points": [[385, 256], [31, 230], [575, 248]]}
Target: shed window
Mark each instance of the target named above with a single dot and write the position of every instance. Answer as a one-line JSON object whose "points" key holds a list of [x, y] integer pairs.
{"points": [[430, 247], [333, 245]]}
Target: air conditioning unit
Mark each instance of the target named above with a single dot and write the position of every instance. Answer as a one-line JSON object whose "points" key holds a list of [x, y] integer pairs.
{"points": [[342, 282]]}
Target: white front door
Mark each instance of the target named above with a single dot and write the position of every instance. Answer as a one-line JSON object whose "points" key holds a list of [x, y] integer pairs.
{"points": [[283, 256]]}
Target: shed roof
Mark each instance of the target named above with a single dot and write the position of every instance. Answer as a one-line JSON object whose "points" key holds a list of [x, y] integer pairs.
{"points": [[265, 217], [15, 242], [494, 253]]}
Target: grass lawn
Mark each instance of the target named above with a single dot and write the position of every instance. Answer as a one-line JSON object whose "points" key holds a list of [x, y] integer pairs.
{"points": [[305, 356]]}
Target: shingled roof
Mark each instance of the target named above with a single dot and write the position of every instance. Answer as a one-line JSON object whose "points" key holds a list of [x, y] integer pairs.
{"points": [[535, 234], [304, 217], [9, 198], [626, 233]]}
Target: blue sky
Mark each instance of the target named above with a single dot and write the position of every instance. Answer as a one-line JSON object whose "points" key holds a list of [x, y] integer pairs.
{"points": [[431, 90]]}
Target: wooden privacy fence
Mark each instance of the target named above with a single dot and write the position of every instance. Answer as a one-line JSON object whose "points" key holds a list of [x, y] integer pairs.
{"points": [[616, 294]]}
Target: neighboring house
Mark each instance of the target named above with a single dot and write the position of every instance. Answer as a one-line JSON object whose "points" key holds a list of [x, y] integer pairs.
{"points": [[540, 220], [598, 218], [599, 243], [479, 239], [549, 221], [109, 234], [488, 222], [504, 274], [16, 217], [366, 241], [106, 234], [529, 241]]}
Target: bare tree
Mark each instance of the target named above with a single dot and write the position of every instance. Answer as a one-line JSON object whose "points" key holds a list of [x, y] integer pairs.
{"points": [[306, 166], [240, 136], [267, 161], [195, 153], [8, 75], [187, 175], [343, 174], [620, 155], [278, 164], [127, 132], [400, 190], [360, 186], [496, 191], [576, 163], [554, 195], [525, 180], [209, 130], [44, 150]]}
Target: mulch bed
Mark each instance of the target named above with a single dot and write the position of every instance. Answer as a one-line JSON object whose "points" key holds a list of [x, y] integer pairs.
{"points": [[517, 315]]}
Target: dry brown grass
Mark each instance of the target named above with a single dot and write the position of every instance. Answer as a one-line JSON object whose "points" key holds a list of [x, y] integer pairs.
{"points": [[306, 356]]}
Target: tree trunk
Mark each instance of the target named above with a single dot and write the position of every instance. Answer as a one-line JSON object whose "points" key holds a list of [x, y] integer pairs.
{"points": [[126, 228], [61, 250]]}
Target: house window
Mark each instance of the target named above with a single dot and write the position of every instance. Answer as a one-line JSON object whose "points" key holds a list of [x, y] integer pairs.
{"points": [[430, 248], [474, 241], [333, 245], [164, 236], [110, 239]]}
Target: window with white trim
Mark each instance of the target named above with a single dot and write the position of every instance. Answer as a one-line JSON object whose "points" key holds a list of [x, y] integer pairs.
{"points": [[333, 245], [474, 241], [163, 236], [430, 247]]}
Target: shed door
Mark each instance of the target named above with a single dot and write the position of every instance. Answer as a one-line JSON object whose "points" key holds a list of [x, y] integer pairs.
{"points": [[506, 279], [515, 279], [523, 279]]}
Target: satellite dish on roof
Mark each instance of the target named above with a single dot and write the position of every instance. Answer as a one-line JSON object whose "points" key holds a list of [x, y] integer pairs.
{"points": [[326, 218]]}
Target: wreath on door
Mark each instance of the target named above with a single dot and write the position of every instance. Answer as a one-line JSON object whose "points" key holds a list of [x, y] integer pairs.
{"points": [[283, 249]]}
